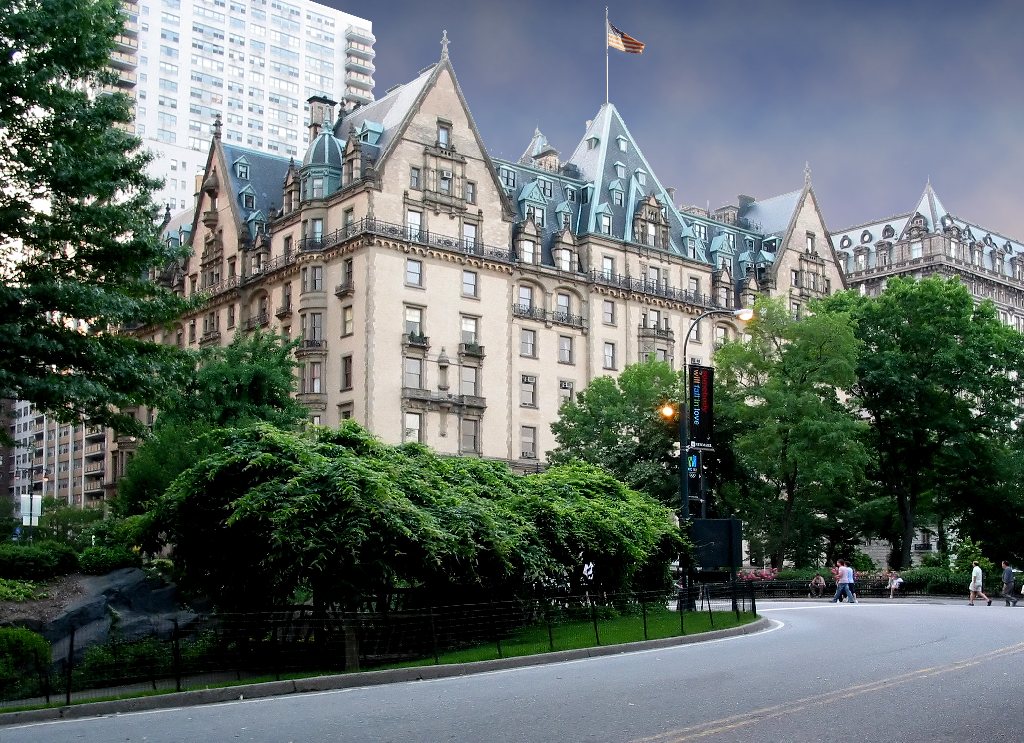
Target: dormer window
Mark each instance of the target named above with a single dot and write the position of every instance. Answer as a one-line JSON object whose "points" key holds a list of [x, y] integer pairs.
{"points": [[641, 177], [623, 144], [563, 259], [592, 143], [317, 187], [865, 237], [620, 170], [536, 214], [508, 177], [528, 251], [606, 224], [570, 194], [248, 201], [617, 197], [545, 187], [243, 171]]}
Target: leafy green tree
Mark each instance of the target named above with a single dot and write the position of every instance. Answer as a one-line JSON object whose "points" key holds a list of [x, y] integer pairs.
{"points": [[249, 381], [782, 387], [77, 232], [614, 423], [340, 516], [938, 380], [67, 524]]}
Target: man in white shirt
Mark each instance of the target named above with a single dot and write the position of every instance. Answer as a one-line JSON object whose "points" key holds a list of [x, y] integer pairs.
{"points": [[975, 587], [844, 577]]}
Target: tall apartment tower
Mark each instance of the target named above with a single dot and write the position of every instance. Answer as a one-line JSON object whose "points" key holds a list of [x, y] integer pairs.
{"points": [[253, 62]]}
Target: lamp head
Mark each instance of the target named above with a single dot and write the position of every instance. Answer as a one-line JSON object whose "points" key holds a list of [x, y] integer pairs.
{"points": [[667, 411], [744, 314]]}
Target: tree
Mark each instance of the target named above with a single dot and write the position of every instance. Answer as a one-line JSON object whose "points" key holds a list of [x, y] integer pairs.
{"points": [[249, 381], [938, 380], [782, 388], [77, 231], [614, 423]]}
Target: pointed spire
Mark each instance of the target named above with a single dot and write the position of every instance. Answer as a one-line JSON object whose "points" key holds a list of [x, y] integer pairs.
{"points": [[444, 44], [807, 174], [216, 127]]}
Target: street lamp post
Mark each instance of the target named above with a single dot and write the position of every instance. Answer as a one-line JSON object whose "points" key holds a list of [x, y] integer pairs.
{"points": [[684, 413]]}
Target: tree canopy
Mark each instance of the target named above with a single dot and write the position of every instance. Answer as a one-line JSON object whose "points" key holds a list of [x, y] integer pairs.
{"points": [[779, 389], [77, 231], [614, 423], [938, 379], [350, 519]]}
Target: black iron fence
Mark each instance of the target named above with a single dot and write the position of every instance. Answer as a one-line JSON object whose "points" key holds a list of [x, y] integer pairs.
{"points": [[228, 648]]}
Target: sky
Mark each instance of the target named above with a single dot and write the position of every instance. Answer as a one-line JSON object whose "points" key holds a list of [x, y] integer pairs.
{"points": [[735, 96]]}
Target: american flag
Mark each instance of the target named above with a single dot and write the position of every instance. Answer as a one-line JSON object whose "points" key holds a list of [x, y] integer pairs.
{"points": [[623, 42]]}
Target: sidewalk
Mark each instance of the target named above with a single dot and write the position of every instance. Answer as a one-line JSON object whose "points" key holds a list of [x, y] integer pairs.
{"points": [[357, 679]]}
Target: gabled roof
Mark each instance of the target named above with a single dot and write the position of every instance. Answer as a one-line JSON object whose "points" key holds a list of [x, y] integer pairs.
{"points": [[388, 112], [538, 146], [266, 176], [772, 216]]}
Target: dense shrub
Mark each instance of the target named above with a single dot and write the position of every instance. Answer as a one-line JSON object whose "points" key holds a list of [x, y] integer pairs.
{"points": [[100, 560], [935, 580], [118, 660], [23, 655], [17, 590], [36, 561]]}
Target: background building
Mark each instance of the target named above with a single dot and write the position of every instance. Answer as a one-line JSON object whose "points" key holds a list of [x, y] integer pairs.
{"points": [[253, 62], [928, 240]]}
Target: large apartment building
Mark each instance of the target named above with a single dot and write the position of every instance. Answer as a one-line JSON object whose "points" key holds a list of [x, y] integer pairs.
{"points": [[443, 296], [928, 240], [253, 62]]}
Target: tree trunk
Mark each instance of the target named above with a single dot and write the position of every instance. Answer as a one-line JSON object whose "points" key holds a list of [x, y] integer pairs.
{"points": [[907, 503], [787, 516]]}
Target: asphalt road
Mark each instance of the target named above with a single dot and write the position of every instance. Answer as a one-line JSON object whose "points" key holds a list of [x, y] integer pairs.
{"points": [[881, 671]]}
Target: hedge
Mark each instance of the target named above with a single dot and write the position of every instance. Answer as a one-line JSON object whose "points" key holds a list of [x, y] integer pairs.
{"points": [[36, 561]]}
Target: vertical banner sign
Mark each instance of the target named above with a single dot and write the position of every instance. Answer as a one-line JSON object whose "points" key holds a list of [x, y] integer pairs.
{"points": [[693, 472], [701, 419]]}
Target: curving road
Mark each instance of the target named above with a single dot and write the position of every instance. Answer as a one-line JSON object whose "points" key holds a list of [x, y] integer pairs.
{"points": [[882, 671]]}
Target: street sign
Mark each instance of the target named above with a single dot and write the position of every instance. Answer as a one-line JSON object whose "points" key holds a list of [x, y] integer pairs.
{"points": [[700, 385]]}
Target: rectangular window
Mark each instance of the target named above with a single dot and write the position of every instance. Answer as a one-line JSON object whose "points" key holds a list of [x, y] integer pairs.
{"points": [[694, 286], [606, 224], [794, 278], [528, 343], [469, 235], [413, 376], [608, 312], [347, 322], [414, 320], [468, 377], [609, 356], [315, 327], [536, 214], [414, 179], [528, 251], [528, 442], [525, 297], [413, 427], [528, 391], [563, 307], [565, 391], [469, 284], [508, 178], [607, 266], [346, 372], [565, 349], [469, 440], [810, 242], [316, 278], [413, 272], [414, 221], [469, 329], [545, 187], [469, 192], [617, 198], [444, 136]]}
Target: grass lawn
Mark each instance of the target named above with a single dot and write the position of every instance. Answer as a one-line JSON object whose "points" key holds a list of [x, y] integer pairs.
{"points": [[534, 640]]}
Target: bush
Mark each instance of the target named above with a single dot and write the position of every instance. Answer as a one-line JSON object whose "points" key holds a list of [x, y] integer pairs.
{"points": [[100, 560], [36, 561], [935, 580], [23, 656], [17, 590], [802, 574]]}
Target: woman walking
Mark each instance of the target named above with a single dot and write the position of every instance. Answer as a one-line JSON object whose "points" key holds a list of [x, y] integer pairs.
{"points": [[975, 587]]}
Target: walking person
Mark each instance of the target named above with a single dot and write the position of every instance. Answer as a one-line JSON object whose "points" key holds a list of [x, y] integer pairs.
{"points": [[975, 586], [1007, 593], [843, 580]]}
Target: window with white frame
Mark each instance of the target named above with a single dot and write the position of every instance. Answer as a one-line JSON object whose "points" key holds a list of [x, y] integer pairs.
{"points": [[469, 284], [563, 259], [565, 350], [528, 391], [414, 178], [694, 285], [414, 223], [608, 312], [721, 335], [347, 321], [607, 266], [565, 391], [606, 224], [413, 272], [563, 306], [535, 213], [617, 198], [313, 380], [346, 373], [528, 251], [609, 355], [545, 187], [469, 192], [508, 177], [444, 136], [413, 376], [525, 297], [469, 441], [414, 320], [469, 380], [528, 442], [528, 342], [469, 234], [469, 328], [810, 243], [620, 170], [413, 427], [444, 182]]}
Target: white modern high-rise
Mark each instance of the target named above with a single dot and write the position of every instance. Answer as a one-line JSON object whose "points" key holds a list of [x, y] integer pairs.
{"points": [[253, 62]]}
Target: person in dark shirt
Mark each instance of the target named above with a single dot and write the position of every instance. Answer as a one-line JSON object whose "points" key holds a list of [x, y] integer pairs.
{"points": [[1007, 594]]}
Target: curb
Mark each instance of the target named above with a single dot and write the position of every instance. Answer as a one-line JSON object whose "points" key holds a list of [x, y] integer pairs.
{"points": [[358, 679]]}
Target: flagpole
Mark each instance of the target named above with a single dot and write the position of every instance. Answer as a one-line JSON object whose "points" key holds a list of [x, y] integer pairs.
{"points": [[606, 55]]}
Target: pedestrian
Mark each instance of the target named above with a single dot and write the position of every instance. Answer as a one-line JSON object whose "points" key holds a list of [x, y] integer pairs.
{"points": [[843, 579], [975, 587], [853, 583], [817, 586], [1008, 585], [895, 584]]}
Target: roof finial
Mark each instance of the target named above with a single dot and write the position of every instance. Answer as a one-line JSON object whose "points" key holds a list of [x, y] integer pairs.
{"points": [[216, 127], [444, 44], [807, 173]]}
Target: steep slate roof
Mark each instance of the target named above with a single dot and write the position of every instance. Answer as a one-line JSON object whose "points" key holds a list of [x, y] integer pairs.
{"points": [[931, 208], [266, 176], [772, 216]]}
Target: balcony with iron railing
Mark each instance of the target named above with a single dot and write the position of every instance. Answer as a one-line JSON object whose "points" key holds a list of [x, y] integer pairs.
{"points": [[311, 347], [664, 334], [471, 349], [654, 288], [548, 316], [444, 399], [257, 321], [344, 289]]}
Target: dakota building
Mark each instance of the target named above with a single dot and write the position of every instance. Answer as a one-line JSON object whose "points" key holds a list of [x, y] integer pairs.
{"points": [[444, 296]]}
